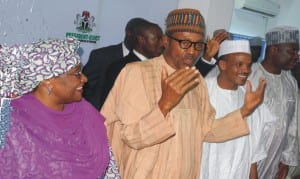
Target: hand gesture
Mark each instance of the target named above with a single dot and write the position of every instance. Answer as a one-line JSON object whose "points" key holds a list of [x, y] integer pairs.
{"points": [[253, 98], [282, 171], [213, 45], [175, 86]]}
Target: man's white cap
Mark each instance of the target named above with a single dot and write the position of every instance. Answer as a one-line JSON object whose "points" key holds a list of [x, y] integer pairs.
{"points": [[282, 34], [234, 46]]}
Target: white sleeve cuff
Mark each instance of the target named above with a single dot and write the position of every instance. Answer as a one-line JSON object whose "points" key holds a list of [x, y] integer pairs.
{"points": [[211, 62]]}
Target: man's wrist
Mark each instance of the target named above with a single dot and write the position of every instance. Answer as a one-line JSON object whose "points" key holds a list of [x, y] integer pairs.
{"points": [[209, 60]]}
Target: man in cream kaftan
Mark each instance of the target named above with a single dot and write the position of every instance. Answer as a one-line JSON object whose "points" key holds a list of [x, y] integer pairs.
{"points": [[158, 112]]}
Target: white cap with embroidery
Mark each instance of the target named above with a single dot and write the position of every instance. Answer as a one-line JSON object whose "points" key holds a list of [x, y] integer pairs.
{"points": [[282, 34], [234, 46]]}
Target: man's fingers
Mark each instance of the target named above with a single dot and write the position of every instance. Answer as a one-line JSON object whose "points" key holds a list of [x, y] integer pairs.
{"points": [[221, 36], [207, 38], [262, 85], [182, 80], [190, 85], [176, 74], [164, 73], [180, 74], [248, 86], [186, 77]]}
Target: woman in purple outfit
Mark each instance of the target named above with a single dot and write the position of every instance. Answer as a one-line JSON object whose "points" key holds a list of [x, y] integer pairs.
{"points": [[51, 131]]}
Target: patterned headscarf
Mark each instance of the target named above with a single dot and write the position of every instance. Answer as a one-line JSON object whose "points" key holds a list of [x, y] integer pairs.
{"points": [[24, 67], [10, 69]]}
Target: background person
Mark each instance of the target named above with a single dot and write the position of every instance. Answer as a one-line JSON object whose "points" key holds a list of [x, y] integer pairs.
{"points": [[148, 45], [294, 172], [101, 58], [280, 135]]}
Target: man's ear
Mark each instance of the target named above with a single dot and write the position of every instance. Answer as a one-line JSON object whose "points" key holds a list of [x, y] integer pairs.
{"points": [[140, 39], [165, 40], [273, 49], [222, 64]]}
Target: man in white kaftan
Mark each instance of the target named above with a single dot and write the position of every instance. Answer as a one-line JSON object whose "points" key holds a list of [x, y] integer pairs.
{"points": [[295, 171], [280, 136], [232, 159]]}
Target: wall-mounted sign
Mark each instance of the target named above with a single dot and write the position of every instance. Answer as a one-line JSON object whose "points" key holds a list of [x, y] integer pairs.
{"points": [[84, 24]]}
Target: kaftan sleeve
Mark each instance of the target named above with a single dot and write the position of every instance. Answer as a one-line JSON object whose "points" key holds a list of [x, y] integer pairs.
{"points": [[290, 154], [141, 124], [228, 127]]}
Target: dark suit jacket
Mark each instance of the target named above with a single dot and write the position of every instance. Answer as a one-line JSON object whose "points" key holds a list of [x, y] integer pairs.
{"points": [[96, 67], [203, 67], [112, 73]]}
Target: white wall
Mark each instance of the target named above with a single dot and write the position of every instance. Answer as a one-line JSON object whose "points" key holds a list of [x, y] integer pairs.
{"points": [[202, 6], [252, 24], [217, 13], [289, 14], [247, 23], [29, 20], [114, 15]]}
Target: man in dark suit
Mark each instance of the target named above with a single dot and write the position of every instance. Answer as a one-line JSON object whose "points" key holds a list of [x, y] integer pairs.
{"points": [[148, 45], [101, 58]]}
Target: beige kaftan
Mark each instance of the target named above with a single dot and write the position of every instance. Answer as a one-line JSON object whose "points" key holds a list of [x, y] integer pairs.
{"points": [[147, 144]]}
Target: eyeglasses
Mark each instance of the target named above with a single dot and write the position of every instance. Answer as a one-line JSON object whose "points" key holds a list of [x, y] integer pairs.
{"points": [[77, 74], [186, 44]]}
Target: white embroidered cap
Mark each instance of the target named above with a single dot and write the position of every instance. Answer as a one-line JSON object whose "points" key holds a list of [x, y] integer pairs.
{"points": [[282, 34], [234, 46]]}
